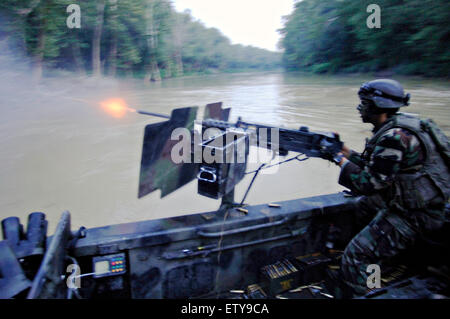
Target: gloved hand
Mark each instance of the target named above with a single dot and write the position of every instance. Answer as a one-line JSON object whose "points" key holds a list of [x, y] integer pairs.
{"points": [[337, 157], [345, 150]]}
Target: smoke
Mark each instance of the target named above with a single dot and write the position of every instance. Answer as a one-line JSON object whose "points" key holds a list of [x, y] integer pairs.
{"points": [[58, 148]]}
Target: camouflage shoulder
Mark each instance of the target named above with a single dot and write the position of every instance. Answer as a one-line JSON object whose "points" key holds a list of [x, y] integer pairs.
{"points": [[399, 138]]}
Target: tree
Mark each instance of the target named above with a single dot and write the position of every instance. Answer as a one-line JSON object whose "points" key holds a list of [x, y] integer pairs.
{"points": [[332, 36], [96, 38], [144, 38]]}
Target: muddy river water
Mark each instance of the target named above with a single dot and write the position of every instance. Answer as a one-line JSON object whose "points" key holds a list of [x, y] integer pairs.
{"points": [[60, 151]]}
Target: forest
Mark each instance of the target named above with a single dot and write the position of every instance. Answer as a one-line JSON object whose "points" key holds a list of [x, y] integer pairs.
{"points": [[148, 39], [333, 36], [139, 38]]}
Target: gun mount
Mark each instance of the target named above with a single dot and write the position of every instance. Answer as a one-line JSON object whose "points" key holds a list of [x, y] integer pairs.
{"points": [[218, 152]]}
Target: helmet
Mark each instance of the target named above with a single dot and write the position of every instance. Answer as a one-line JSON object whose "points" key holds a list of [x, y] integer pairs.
{"points": [[384, 93]]}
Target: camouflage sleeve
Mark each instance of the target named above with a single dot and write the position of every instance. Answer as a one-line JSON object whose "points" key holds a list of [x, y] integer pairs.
{"points": [[396, 149], [355, 157]]}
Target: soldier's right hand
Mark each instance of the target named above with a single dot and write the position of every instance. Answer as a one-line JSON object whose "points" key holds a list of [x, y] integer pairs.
{"points": [[345, 150]]}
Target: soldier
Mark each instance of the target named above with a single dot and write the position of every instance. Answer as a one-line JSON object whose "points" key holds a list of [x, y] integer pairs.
{"points": [[403, 176]]}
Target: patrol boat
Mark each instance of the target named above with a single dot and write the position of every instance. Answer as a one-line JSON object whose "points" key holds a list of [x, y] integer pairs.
{"points": [[286, 250]]}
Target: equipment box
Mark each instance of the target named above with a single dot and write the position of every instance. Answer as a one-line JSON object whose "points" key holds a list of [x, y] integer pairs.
{"points": [[313, 267], [219, 174], [280, 276]]}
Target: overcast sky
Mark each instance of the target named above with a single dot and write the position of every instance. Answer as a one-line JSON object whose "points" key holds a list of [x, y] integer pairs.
{"points": [[249, 22]]}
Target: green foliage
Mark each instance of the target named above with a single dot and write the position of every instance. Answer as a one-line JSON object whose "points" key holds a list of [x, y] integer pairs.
{"points": [[332, 36], [134, 35]]}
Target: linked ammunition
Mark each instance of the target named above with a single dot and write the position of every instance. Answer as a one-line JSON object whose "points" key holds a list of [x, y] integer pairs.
{"points": [[279, 269]]}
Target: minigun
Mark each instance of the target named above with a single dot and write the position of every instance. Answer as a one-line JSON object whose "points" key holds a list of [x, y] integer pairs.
{"points": [[218, 153]]}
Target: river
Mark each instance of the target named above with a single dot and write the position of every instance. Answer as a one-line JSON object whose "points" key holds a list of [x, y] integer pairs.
{"points": [[60, 151]]}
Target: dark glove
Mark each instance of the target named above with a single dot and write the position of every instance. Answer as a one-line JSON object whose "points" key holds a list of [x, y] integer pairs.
{"points": [[335, 156]]}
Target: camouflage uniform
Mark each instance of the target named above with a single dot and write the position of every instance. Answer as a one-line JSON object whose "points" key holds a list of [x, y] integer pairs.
{"points": [[395, 227]]}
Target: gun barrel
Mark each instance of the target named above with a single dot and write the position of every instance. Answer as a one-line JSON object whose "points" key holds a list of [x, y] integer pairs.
{"points": [[153, 114]]}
